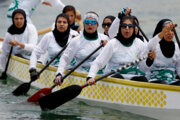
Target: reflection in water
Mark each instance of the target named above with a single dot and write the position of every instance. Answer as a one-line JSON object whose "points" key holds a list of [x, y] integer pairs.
{"points": [[56, 116]]}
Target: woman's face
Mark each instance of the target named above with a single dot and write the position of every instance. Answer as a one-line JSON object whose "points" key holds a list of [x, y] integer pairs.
{"points": [[71, 16], [90, 25], [106, 25], [169, 36], [19, 20], [62, 24], [127, 28]]}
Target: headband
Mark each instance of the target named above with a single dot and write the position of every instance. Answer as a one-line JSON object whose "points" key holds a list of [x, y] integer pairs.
{"points": [[91, 15]]}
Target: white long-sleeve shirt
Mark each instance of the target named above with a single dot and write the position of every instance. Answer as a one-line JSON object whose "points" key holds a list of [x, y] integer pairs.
{"points": [[48, 43], [80, 48], [114, 28], [28, 37], [29, 6], [115, 55], [161, 62]]}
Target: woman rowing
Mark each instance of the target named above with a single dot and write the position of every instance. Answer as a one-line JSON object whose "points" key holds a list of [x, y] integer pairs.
{"points": [[113, 30], [166, 59], [82, 46], [53, 42], [21, 35], [119, 51]]}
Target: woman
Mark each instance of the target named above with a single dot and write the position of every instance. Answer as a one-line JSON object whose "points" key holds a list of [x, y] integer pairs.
{"points": [[123, 49], [21, 35], [53, 42], [164, 66], [107, 23], [71, 12], [82, 46], [113, 30]]}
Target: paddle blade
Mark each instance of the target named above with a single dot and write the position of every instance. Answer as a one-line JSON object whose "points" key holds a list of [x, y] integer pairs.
{"points": [[59, 97], [39, 94], [22, 89]]}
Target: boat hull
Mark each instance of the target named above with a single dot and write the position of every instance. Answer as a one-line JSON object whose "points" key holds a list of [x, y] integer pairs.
{"points": [[149, 99]]}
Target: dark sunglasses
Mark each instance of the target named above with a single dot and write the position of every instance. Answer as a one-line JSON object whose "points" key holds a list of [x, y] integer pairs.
{"points": [[106, 24], [92, 22], [124, 25]]}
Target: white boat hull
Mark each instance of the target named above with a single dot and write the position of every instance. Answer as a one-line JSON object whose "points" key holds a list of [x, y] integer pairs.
{"points": [[149, 99]]}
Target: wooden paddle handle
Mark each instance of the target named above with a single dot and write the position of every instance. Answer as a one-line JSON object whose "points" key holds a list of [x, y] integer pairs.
{"points": [[45, 30]]}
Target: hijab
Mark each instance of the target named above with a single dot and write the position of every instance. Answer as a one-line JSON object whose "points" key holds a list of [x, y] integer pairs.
{"points": [[126, 41], [92, 36], [109, 17], [13, 29], [163, 43], [61, 37]]}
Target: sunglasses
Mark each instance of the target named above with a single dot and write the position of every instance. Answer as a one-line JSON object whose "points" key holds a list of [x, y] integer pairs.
{"points": [[124, 25], [92, 22], [106, 24]]}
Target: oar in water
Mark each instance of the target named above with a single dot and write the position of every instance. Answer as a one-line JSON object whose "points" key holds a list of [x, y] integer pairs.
{"points": [[4, 75], [46, 91], [64, 95], [24, 88]]}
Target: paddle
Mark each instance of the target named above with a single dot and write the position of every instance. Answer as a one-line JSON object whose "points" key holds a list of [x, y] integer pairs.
{"points": [[176, 36], [46, 91], [4, 75], [64, 95], [24, 88], [141, 31]]}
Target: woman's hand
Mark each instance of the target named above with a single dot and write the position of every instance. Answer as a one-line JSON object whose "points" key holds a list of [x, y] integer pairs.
{"points": [[90, 81], [15, 43], [128, 11], [166, 29], [152, 55], [58, 80], [47, 3], [104, 42]]}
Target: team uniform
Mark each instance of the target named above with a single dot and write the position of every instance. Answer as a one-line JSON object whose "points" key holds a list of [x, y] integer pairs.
{"points": [[28, 37], [48, 43], [115, 55], [79, 48], [29, 6], [163, 68]]}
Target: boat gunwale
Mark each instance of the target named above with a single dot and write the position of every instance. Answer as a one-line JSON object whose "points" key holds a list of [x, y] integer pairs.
{"points": [[109, 80]]}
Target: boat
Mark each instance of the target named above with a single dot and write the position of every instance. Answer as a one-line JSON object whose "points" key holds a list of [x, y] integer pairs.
{"points": [[157, 101]]}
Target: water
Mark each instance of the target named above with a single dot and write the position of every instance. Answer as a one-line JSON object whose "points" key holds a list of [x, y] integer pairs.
{"points": [[16, 108], [148, 12]]}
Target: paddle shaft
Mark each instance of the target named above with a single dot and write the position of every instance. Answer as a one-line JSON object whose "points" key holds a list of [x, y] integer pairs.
{"points": [[123, 67], [52, 60], [176, 36], [80, 63], [8, 59], [141, 32]]}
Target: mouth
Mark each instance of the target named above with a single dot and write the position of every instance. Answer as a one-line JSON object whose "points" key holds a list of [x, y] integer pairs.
{"points": [[89, 28]]}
